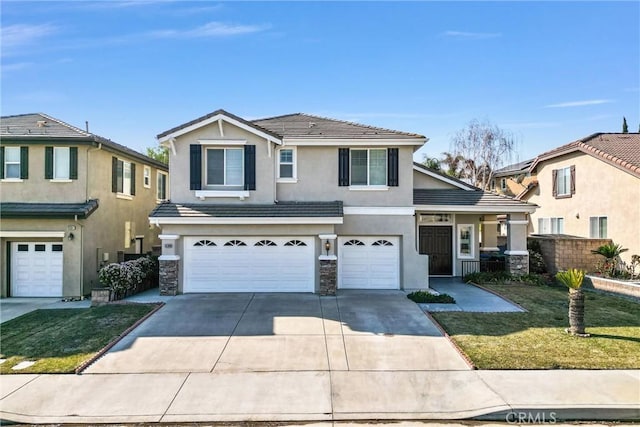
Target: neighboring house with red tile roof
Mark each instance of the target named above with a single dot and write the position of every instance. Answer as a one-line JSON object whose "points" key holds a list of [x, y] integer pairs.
{"points": [[589, 188]]}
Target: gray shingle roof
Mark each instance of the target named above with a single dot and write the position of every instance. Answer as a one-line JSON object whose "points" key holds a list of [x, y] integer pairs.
{"points": [[306, 125], [479, 198], [48, 210], [24, 128], [280, 209]]}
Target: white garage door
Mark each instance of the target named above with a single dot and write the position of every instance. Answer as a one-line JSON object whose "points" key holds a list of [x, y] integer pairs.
{"points": [[249, 264], [368, 263], [36, 269]]}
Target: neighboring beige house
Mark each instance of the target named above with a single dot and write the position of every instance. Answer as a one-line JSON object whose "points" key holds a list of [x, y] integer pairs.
{"points": [[70, 203], [590, 188], [310, 204], [513, 179]]}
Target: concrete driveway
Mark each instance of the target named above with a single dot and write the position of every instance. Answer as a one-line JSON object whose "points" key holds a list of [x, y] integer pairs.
{"points": [[236, 333]]}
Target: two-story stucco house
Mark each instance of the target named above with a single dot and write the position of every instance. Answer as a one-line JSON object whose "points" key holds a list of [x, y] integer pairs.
{"points": [[589, 188], [71, 202], [306, 203]]}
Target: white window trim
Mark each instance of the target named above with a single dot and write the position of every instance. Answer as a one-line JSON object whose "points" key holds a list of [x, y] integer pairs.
{"points": [[568, 189], [222, 142], [146, 176], [206, 159], [12, 180], [125, 194], [166, 185], [598, 217], [549, 224], [6, 162], [294, 166], [386, 169], [205, 194], [368, 188], [472, 242], [60, 180]]}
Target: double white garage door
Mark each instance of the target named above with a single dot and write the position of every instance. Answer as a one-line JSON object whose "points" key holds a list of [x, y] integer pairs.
{"points": [[36, 269], [285, 264]]}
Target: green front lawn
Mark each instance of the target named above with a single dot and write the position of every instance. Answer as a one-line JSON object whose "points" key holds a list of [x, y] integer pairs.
{"points": [[537, 339], [61, 340]]}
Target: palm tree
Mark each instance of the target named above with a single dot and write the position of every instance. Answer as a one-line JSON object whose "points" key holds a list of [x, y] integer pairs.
{"points": [[611, 252], [431, 163], [454, 165], [573, 279]]}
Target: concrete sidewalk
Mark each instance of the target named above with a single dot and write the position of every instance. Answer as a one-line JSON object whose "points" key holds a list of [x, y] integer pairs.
{"points": [[321, 396]]}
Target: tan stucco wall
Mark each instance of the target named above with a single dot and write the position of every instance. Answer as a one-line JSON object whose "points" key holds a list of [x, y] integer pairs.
{"points": [[601, 190], [180, 167], [513, 187], [424, 181]]}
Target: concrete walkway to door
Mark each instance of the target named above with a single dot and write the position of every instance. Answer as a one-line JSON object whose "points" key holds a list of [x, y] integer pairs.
{"points": [[468, 298]]}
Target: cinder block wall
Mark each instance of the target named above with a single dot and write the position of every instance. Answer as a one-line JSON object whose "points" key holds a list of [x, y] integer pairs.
{"points": [[563, 252]]}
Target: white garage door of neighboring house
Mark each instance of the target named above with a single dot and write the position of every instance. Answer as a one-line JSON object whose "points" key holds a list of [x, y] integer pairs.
{"points": [[36, 269], [368, 262], [249, 264]]}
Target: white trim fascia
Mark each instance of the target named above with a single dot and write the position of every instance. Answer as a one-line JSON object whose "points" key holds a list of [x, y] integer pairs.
{"points": [[222, 141], [169, 258], [379, 210], [169, 236], [351, 142], [328, 258], [60, 180], [476, 209], [11, 180], [203, 194], [518, 222], [516, 252], [246, 220], [442, 178], [327, 236], [33, 234], [214, 119]]}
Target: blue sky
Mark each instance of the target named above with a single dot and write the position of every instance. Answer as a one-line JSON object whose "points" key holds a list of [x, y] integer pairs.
{"points": [[550, 72]]}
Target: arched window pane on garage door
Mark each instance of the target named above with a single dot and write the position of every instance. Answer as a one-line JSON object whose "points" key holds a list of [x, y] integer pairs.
{"points": [[295, 243], [265, 243], [382, 243], [204, 243], [235, 243], [353, 242]]}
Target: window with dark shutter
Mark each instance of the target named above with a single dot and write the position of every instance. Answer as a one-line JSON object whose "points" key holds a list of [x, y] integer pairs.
{"points": [[249, 167], [392, 170], [48, 162], [73, 163], [195, 167], [343, 167], [114, 174], [133, 179]]}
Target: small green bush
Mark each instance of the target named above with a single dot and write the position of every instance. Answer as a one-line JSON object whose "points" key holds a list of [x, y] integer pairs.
{"points": [[503, 276], [424, 296]]}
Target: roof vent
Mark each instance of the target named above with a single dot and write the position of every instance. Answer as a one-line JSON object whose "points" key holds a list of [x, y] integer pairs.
{"points": [[311, 124], [41, 123]]}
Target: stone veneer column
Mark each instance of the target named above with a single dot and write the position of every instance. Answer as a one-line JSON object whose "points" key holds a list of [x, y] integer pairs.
{"points": [[328, 265], [517, 253], [169, 265]]}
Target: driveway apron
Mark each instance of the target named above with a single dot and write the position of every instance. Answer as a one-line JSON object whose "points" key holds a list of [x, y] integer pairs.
{"points": [[288, 332]]}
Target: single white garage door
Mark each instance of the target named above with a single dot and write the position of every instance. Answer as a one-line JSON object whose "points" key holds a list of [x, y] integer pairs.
{"points": [[249, 264], [368, 262], [36, 269]]}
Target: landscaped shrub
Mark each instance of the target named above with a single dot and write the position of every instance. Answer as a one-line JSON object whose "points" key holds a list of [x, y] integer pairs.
{"points": [[503, 277], [536, 262], [426, 297], [129, 277]]}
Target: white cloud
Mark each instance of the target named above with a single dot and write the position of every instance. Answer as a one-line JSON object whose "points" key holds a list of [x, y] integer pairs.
{"points": [[211, 29], [470, 35], [579, 103], [23, 34]]}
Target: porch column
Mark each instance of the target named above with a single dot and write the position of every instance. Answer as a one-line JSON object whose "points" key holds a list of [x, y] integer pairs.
{"points": [[516, 253], [489, 234], [328, 264], [169, 263]]}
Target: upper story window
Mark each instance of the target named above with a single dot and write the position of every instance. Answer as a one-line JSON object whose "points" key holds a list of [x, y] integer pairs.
{"points": [[146, 177], [11, 163], [598, 227], [162, 186], [123, 179], [61, 163], [368, 167], [224, 167], [564, 184], [286, 164]]}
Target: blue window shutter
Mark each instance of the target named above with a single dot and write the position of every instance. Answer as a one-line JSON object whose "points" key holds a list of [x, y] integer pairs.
{"points": [[195, 166], [24, 162], [48, 162], [392, 167], [114, 174], [249, 167], [73, 163], [343, 167]]}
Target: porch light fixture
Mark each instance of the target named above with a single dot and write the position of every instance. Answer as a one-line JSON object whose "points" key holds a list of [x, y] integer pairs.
{"points": [[70, 236], [327, 246]]}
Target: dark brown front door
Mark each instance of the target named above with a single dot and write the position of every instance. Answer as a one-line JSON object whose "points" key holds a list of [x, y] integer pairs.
{"points": [[435, 241]]}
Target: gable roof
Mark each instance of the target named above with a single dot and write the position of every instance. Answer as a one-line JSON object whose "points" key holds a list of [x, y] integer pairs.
{"points": [[302, 125], [39, 127], [514, 169], [439, 175], [621, 150], [468, 201]]}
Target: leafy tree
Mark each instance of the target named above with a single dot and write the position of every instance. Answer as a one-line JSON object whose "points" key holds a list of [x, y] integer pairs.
{"points": [[455, 165], [160, 154], [573, 279], [485, 147], [625, 128], [431, 163], [611, 252]]}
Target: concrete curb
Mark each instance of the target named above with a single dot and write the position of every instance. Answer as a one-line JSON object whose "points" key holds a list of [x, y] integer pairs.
{"points": [[126, 332]]}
